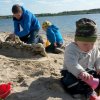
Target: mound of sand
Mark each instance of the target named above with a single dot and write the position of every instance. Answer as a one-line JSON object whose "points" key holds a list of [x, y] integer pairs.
{"points": [[34, 77]]}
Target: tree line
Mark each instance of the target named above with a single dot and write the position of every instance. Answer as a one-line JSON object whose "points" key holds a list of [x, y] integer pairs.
{"points": [[91, 11]]}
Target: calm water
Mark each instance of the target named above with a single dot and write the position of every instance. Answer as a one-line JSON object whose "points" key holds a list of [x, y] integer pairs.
{"points": [[66, 23]]}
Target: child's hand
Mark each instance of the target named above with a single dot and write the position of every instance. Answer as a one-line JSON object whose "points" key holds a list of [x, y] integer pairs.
{"points": [[98, 71], [12, 36], [55, 44], [85, 76]]}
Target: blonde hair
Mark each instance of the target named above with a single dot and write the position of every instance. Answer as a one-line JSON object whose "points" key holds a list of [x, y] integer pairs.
{"points": [[46, 24]]}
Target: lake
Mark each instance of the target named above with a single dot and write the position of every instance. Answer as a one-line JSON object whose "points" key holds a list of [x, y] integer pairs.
{"points": [[66, 23]]}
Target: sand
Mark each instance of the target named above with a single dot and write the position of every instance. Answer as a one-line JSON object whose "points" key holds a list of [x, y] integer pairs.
{"points": [[33, 77]]}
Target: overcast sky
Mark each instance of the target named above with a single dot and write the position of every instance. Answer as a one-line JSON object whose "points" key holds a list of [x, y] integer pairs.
{"points": [[48, 6]]}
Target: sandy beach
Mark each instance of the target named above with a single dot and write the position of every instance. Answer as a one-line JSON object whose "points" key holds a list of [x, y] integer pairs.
{"points": [[33, 77]]}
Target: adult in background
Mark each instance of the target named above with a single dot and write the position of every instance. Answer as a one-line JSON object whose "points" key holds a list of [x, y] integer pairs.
{"points": [[26, 25]]}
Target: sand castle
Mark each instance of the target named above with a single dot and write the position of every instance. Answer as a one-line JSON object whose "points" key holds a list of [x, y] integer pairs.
{"points": [[12, 44]]}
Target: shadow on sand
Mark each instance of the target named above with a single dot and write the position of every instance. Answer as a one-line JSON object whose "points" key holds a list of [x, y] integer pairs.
{"points": [[42, 89]]}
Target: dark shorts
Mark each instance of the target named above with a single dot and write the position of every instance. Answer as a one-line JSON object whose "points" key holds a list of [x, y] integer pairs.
{"points": [[25, 38], [51, 47]]}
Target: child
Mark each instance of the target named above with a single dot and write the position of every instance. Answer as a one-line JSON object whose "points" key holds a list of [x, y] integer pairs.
{"points": [[53, 35], [82, 60], [26, 25]]}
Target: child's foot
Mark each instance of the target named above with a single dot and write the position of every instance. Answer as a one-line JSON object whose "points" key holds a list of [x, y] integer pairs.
{"points": [[94, 97], [58, 50]]}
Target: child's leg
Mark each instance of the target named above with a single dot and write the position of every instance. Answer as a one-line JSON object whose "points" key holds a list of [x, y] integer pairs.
{"points": [[40, 39], [75, 86], [33, 36], [24, 38], [94, 96], [50, 48], [59, 44]]}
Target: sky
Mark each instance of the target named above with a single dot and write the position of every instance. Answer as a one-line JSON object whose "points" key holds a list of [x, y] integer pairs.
{"points": [[48, 6]]}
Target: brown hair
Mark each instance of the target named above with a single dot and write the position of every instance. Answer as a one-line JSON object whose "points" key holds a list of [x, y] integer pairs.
{"points": [[16, 8]]}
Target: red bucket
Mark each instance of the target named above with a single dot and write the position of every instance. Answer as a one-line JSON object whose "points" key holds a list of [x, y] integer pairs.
{"points": [[5, 90]]}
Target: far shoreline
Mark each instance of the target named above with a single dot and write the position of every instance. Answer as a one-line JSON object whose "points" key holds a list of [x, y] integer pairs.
{"points": [[78, 12], [51, 15]]}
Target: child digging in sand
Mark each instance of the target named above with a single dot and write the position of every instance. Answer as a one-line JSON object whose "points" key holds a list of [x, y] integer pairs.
{"points": [[54, 36], [82, 61]]}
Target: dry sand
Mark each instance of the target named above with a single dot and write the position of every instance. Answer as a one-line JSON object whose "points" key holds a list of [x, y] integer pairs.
{"points": [[33, 78]]}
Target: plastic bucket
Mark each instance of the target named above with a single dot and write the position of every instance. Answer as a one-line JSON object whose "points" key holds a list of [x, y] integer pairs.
{"points": [[5, 90]]}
